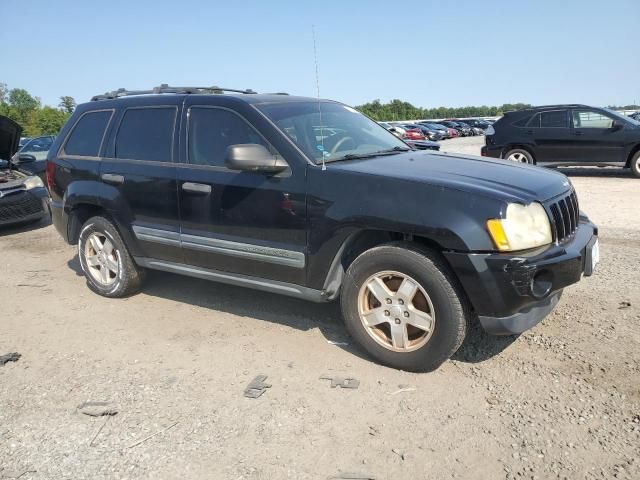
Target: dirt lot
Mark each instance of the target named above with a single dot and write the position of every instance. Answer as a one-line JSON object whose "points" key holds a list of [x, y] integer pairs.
{"points": [[560, 401]]}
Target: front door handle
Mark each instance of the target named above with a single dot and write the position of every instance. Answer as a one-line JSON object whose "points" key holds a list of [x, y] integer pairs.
{"points": [[112, 178], [196, 188]]}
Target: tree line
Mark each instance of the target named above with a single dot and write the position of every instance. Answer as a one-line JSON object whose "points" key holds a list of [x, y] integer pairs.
{"points": [[400, 110], [34, 118]]}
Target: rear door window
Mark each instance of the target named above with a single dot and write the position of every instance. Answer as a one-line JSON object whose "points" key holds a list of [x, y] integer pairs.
{"points": [[86, 138], [554, 119], [534, 122], [146, 134]]}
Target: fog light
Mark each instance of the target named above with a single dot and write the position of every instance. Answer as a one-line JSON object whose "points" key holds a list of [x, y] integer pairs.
{"points": [[541, 284]]}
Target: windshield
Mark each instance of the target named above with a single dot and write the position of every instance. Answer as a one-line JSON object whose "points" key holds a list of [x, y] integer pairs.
{"points": [[623, 117], [339, 133]]}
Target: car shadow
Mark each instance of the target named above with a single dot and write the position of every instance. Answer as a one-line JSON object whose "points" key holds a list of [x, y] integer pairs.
{"points": [[611, 172], [290, 312], [25, 227], [479, 346]]}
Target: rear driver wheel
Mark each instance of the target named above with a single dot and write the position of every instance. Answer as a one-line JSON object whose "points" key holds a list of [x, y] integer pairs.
{"points": [[519, 155], [109, 269]]}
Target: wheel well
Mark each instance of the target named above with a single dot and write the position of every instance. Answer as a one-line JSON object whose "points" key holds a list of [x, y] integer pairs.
{"points": [[78, 216], [633, 151], [521, 147], [360, 243]]}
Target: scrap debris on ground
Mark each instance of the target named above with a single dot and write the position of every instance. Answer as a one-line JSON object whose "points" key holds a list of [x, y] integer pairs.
{"points": [[9, 357]]}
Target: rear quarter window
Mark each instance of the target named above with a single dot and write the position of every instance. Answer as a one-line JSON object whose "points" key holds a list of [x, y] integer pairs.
{"points": [[88, 133]]}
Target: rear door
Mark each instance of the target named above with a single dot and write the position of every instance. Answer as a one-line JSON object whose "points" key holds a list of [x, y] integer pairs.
{"points": [[139, 176], [595, 140], [249, 223], [551, 135]]}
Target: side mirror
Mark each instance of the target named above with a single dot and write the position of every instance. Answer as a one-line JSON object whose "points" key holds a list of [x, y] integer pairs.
{"points": [[26, 158], [617, 125], [252, 157]]}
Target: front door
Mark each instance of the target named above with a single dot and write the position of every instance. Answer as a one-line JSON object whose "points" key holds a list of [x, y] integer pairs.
{"points": [[250, 223], [595, 139], [139, 177]]}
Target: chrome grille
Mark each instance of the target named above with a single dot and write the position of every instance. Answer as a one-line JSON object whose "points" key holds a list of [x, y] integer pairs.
{"points": [[565, 214]]}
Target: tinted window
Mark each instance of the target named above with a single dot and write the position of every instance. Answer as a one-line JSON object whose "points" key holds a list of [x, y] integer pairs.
{"points": [[534, 122], [591, 119], [87, 135], [40, 144], [557, 119], [212, 130], [146, 134]]}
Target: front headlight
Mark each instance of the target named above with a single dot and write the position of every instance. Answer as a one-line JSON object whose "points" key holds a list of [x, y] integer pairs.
{"points": [[33, 182], [525, 226]]}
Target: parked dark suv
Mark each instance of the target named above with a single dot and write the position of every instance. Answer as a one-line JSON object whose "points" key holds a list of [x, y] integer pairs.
{"points": [[566, 135], [262, 191]]}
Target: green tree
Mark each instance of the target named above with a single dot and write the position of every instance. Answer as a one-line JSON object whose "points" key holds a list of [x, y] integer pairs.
{"points": [[47, 121], [67, 104]]}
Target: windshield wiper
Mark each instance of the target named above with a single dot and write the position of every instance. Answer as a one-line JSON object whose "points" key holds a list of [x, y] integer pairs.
{"points": [[355, 156]]}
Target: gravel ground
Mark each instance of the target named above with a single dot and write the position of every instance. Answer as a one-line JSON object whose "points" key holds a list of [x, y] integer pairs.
{"points": [[560, 401]]}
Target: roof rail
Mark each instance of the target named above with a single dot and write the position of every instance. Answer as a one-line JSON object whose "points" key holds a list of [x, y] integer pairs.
{"points": [[164, 88]]}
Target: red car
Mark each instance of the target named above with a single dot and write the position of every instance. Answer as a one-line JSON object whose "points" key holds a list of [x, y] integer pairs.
{"points": [[414, 134], [453, 133]]}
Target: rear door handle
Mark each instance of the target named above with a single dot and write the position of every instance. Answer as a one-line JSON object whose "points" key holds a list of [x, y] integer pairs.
{"points": [[529, 132], [578, 133], [196, 188], [112, 178]]}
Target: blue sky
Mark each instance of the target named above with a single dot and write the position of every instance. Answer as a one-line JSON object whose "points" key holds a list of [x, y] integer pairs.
{"points": [[430, 53]]}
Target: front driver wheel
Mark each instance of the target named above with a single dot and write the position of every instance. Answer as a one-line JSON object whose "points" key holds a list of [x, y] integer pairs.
{"points": [[635, 164], [109, 269], [520, 156], [401, 303]]}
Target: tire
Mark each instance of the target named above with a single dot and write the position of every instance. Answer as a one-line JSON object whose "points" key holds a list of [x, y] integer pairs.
{"points": [[520, 156], [445, 304], [110, 272], [635, 164]]}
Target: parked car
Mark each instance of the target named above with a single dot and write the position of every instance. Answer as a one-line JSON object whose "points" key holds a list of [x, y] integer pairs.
{"points": [[444, 131], [566, 135], [462, 131], [475, 123], [423, 144], [31, 157], [23, 197], [452, 132], [23, 141], [429, 133], [635, 116], [395, 129], [415, 244], [414, 134]]}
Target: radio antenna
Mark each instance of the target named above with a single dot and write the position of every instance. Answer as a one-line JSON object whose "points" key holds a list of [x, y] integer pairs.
{"points": [[315, 57]]}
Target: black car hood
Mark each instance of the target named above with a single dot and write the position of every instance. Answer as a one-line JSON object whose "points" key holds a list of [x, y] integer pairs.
{"points": [[9, 137], [499, 179]]}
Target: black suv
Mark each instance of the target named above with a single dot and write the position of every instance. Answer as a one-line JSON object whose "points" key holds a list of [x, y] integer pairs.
{"points": [[314, 200], [566, 135]]}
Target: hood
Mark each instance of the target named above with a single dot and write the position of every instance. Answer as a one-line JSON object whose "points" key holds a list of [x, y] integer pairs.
{"points": [[499, 179], [9, 137]]}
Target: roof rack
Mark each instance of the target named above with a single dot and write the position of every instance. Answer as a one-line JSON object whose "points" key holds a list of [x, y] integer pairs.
{"points": [[164, 88]]}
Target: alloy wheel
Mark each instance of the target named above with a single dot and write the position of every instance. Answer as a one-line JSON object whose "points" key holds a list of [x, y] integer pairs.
{"points": [[396, 311], [518, 157], [102, 259]]}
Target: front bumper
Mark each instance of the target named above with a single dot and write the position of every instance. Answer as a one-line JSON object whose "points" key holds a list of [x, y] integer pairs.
{"points": [[513, 292], [24, 206]]}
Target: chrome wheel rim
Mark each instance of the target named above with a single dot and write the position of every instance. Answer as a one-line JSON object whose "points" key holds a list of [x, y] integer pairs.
{"points": [[102, 259], [518, 157], [396, 311]]}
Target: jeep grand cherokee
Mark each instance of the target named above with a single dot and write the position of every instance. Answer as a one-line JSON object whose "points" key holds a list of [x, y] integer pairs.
{"points": [[310, 198]]}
